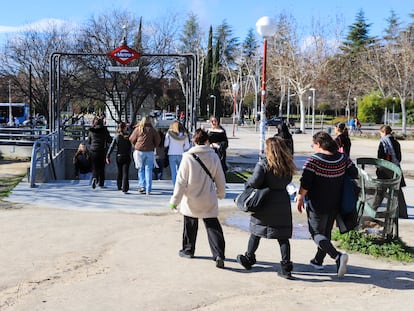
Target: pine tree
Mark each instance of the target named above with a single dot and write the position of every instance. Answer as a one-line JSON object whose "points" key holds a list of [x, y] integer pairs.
{"points": [[358, 37], [208, 68]]}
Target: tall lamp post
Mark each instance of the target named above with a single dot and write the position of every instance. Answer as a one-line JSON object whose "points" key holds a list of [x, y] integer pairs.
{"points": [[313, 110], [214, 105], [10, 105], [355, 107], [265, 27], [393, 111], [235, 90]]}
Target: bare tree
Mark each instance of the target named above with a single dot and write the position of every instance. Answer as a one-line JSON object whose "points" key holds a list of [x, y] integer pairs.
{"points": [[25, 60], [390, 64], [300, 63]]}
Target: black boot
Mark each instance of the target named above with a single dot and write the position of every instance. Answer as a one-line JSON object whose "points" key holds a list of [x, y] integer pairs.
{"points": [[285, 269], [247, 260]]}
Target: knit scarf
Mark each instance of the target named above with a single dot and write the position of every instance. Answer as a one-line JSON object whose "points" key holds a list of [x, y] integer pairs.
{"points": [[389, 148]]}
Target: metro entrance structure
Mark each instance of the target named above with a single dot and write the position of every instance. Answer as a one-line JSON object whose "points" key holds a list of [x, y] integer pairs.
{"points": [[49, 157], [55, 85]]}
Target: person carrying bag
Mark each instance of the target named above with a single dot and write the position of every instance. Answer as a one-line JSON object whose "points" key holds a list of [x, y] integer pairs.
{"points": [[273, 216]]}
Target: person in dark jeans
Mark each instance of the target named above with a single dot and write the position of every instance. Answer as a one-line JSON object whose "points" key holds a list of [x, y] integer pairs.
{"points": [[123, 156], [98, 140], [321, 187]]}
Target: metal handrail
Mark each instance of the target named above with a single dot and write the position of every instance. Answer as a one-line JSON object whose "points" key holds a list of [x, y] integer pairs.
{"points": [[21, 135], [44, 151]]}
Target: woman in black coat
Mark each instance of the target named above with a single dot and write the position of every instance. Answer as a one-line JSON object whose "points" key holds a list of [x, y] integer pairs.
{"points": [[98, 140], [123, 156], [273, 219], [218, 141], [342, 139], [283, 131]]}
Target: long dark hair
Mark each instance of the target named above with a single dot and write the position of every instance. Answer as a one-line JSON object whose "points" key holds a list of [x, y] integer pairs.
{"points": [[386, 129], [122, 129], [325, 141]]}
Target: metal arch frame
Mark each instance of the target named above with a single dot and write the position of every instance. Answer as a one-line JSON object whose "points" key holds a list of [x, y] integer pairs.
{"points": [[54, 88]]}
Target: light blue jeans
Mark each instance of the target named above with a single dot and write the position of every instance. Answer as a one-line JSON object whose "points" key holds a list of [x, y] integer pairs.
{"points": [[86, 176], [175, 160], [145, 170]]}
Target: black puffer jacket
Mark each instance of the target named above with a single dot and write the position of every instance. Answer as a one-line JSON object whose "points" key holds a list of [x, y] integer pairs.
{"points": [[99, 138], [273, 220]]}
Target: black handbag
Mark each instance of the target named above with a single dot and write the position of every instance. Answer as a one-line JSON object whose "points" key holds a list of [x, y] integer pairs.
{"points": [[251, 199]]}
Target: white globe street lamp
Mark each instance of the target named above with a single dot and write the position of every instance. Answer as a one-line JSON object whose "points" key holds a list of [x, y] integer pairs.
{"points": [[265, 27]]}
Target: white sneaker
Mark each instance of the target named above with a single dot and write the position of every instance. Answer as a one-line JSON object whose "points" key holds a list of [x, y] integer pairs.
{"points": [[341, 265]]}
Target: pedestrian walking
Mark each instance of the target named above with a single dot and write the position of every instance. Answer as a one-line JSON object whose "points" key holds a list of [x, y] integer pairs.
{"points": [[123, 156], [273, 218], [200, 183], [342, 138], [283, 132], [177, 142], [98, 140], [160, 157], [218, 141], [145, 139], [390, 149], [321, 188]]}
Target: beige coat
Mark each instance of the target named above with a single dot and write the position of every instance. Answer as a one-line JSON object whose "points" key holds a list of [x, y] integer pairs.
{"points": [[195, 194]]}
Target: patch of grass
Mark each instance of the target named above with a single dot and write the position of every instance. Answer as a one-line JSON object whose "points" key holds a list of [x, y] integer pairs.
{"points": [[365, 243], [7, 184]]}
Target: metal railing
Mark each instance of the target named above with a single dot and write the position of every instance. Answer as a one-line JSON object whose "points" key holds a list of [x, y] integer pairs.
{"points": [[44, 151], [23, 136]]}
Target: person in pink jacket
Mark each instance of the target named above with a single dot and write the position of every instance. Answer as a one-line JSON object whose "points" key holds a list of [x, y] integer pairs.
{"points": [[196, 194]]}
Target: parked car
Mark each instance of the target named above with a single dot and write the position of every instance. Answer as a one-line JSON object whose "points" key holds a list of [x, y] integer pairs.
{"points": [[275, 121]]}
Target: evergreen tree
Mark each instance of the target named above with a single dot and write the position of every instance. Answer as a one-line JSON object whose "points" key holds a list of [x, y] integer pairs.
{"points": [[208, 68], [354, 48], [191, 35], [393, 28], [216, 79], [229, 44], [358, 37], [250, 45], [191, 42]]}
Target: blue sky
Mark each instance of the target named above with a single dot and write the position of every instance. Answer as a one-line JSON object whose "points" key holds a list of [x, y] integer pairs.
{"points": [[239, 14]]}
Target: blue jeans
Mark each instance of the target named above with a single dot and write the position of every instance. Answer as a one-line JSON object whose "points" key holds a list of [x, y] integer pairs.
{"points": [[145, 170], [86, 176], [175, 160]]}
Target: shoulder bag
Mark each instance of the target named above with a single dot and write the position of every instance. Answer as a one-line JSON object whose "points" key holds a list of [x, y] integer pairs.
{"points": [[347, 219], [251, 199]]}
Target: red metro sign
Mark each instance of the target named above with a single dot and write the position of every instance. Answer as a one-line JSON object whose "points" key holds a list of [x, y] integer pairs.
{"points": [[123, 54]]}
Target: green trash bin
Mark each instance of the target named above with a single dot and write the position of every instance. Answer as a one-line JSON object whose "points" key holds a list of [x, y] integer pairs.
{"points": [[378, 199], [329, 129]]}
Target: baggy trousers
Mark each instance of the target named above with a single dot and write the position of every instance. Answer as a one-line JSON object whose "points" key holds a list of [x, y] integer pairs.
{"points": [[214, 234]]}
